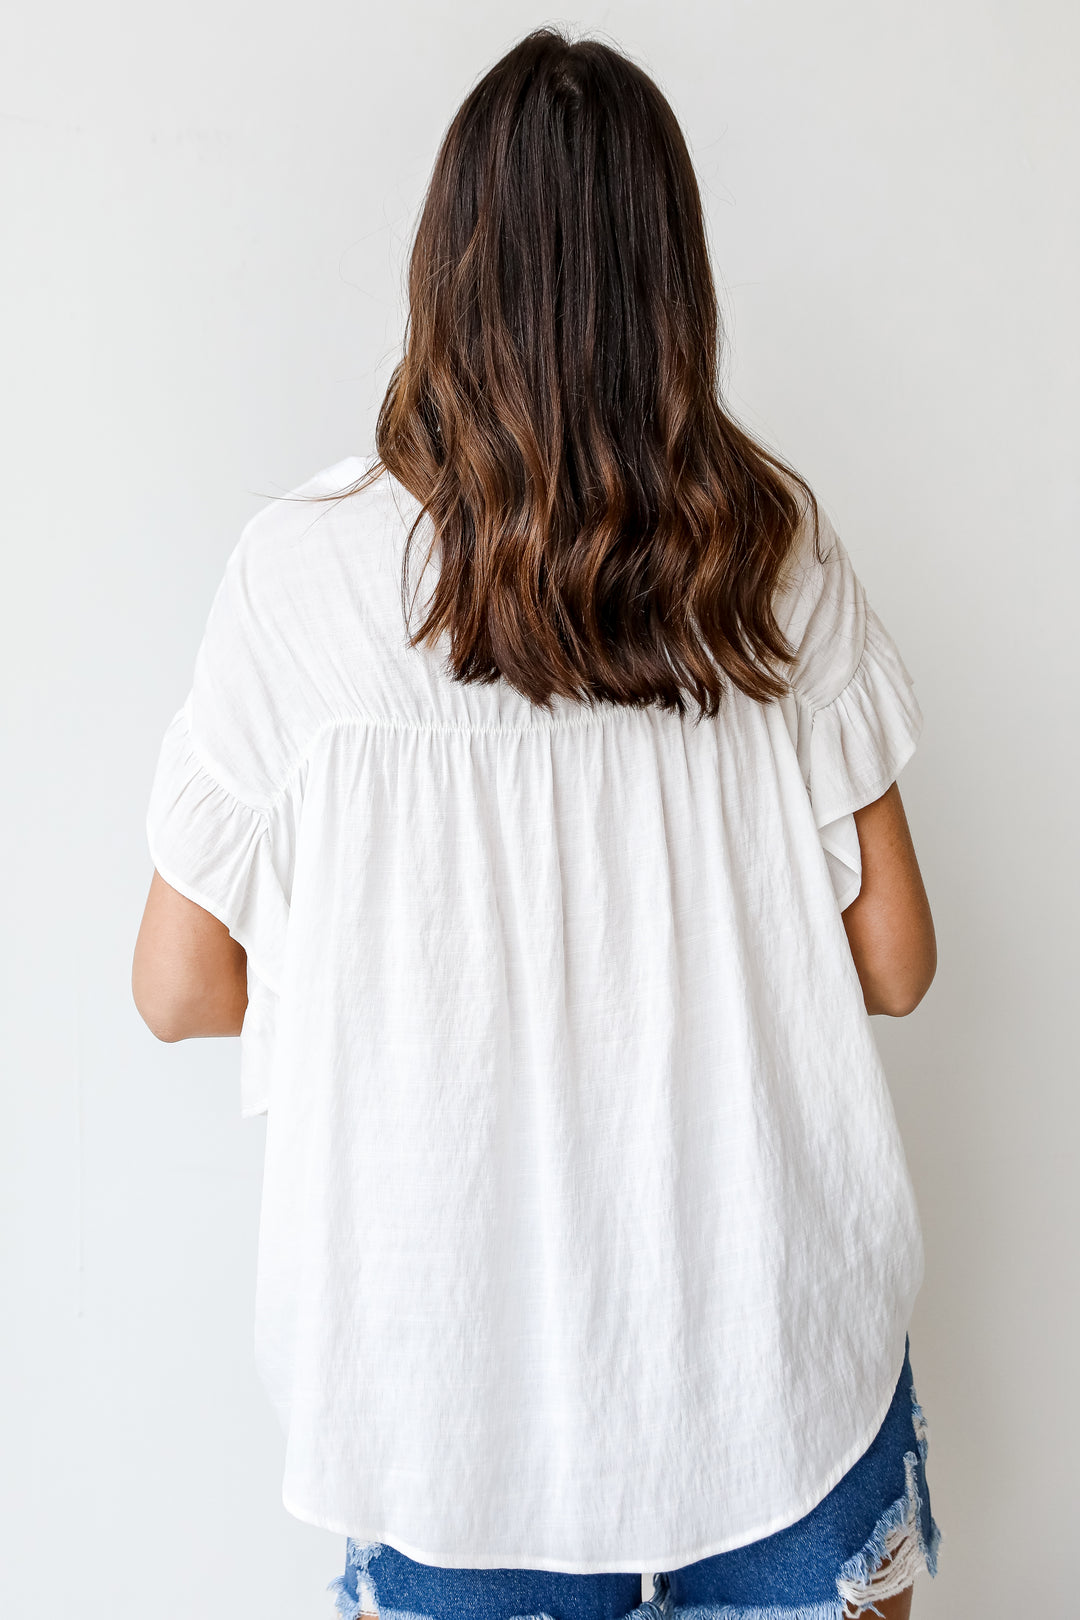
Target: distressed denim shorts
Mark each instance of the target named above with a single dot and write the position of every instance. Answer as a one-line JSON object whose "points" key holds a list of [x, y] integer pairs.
{"points": [[864, 1543]]}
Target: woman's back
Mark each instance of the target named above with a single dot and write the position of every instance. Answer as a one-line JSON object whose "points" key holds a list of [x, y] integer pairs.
{"points": [[588, 1241]]}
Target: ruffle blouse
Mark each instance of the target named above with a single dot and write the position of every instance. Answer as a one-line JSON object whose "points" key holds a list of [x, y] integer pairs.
{"points": [[587, 1237]]}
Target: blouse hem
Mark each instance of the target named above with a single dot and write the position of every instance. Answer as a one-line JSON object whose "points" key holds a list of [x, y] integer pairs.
{"points": [[652, 1563]]}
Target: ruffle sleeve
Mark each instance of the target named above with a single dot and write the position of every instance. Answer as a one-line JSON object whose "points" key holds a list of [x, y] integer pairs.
{"points": [[224, 803], [853, 711], [859, 744], [217, 851]]}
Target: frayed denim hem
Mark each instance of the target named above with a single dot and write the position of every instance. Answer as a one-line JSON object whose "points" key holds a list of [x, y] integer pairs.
{"points": [[349, 1603], [862, 1582], [727, 1611], [645, 1611], [350, 1609], [898, 1537], [813, 1611], [344, 1602]]}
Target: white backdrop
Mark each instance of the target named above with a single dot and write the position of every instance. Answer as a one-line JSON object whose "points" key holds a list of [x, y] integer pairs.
{"points": [[206, 210]]}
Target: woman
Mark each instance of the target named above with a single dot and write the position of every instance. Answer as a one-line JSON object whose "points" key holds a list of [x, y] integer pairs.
{"points": [[551, 928]]}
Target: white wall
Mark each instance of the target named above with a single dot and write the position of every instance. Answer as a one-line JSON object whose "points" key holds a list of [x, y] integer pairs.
{"points": [[206, 209]]}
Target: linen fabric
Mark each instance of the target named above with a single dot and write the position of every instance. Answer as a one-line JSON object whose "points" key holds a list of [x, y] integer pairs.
{"points": [[587, 1238]]}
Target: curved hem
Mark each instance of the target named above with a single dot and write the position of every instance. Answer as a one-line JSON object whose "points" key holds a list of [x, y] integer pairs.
{"points": [[652, 1563]]}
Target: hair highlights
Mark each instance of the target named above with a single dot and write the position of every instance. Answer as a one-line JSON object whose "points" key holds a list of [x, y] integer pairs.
{"points": [[605, 529]]}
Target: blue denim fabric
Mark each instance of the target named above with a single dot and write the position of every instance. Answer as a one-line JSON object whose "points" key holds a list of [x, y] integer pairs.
{"points": [[791, 1575]]}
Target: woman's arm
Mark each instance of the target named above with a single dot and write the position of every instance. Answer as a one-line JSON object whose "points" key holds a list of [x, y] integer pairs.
{"points": [[188, 975], [889, 926]]}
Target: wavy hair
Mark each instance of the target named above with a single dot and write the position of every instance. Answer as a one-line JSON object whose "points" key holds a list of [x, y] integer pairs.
{"points": [[606, 530]]}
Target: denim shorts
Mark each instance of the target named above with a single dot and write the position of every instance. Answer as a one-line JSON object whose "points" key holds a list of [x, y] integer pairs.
{"points": [[863, 1543]]}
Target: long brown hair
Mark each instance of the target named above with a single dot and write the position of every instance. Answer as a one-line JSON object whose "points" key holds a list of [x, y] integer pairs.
{"points": [[606, 530]]}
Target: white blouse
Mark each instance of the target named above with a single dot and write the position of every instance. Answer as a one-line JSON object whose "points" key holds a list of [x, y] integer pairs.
{"points": [[587, 1237]]}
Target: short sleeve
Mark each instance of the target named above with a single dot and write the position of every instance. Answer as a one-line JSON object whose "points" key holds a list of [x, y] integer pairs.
{"points": [[218, 823], [857, 719], [217, 850]]}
